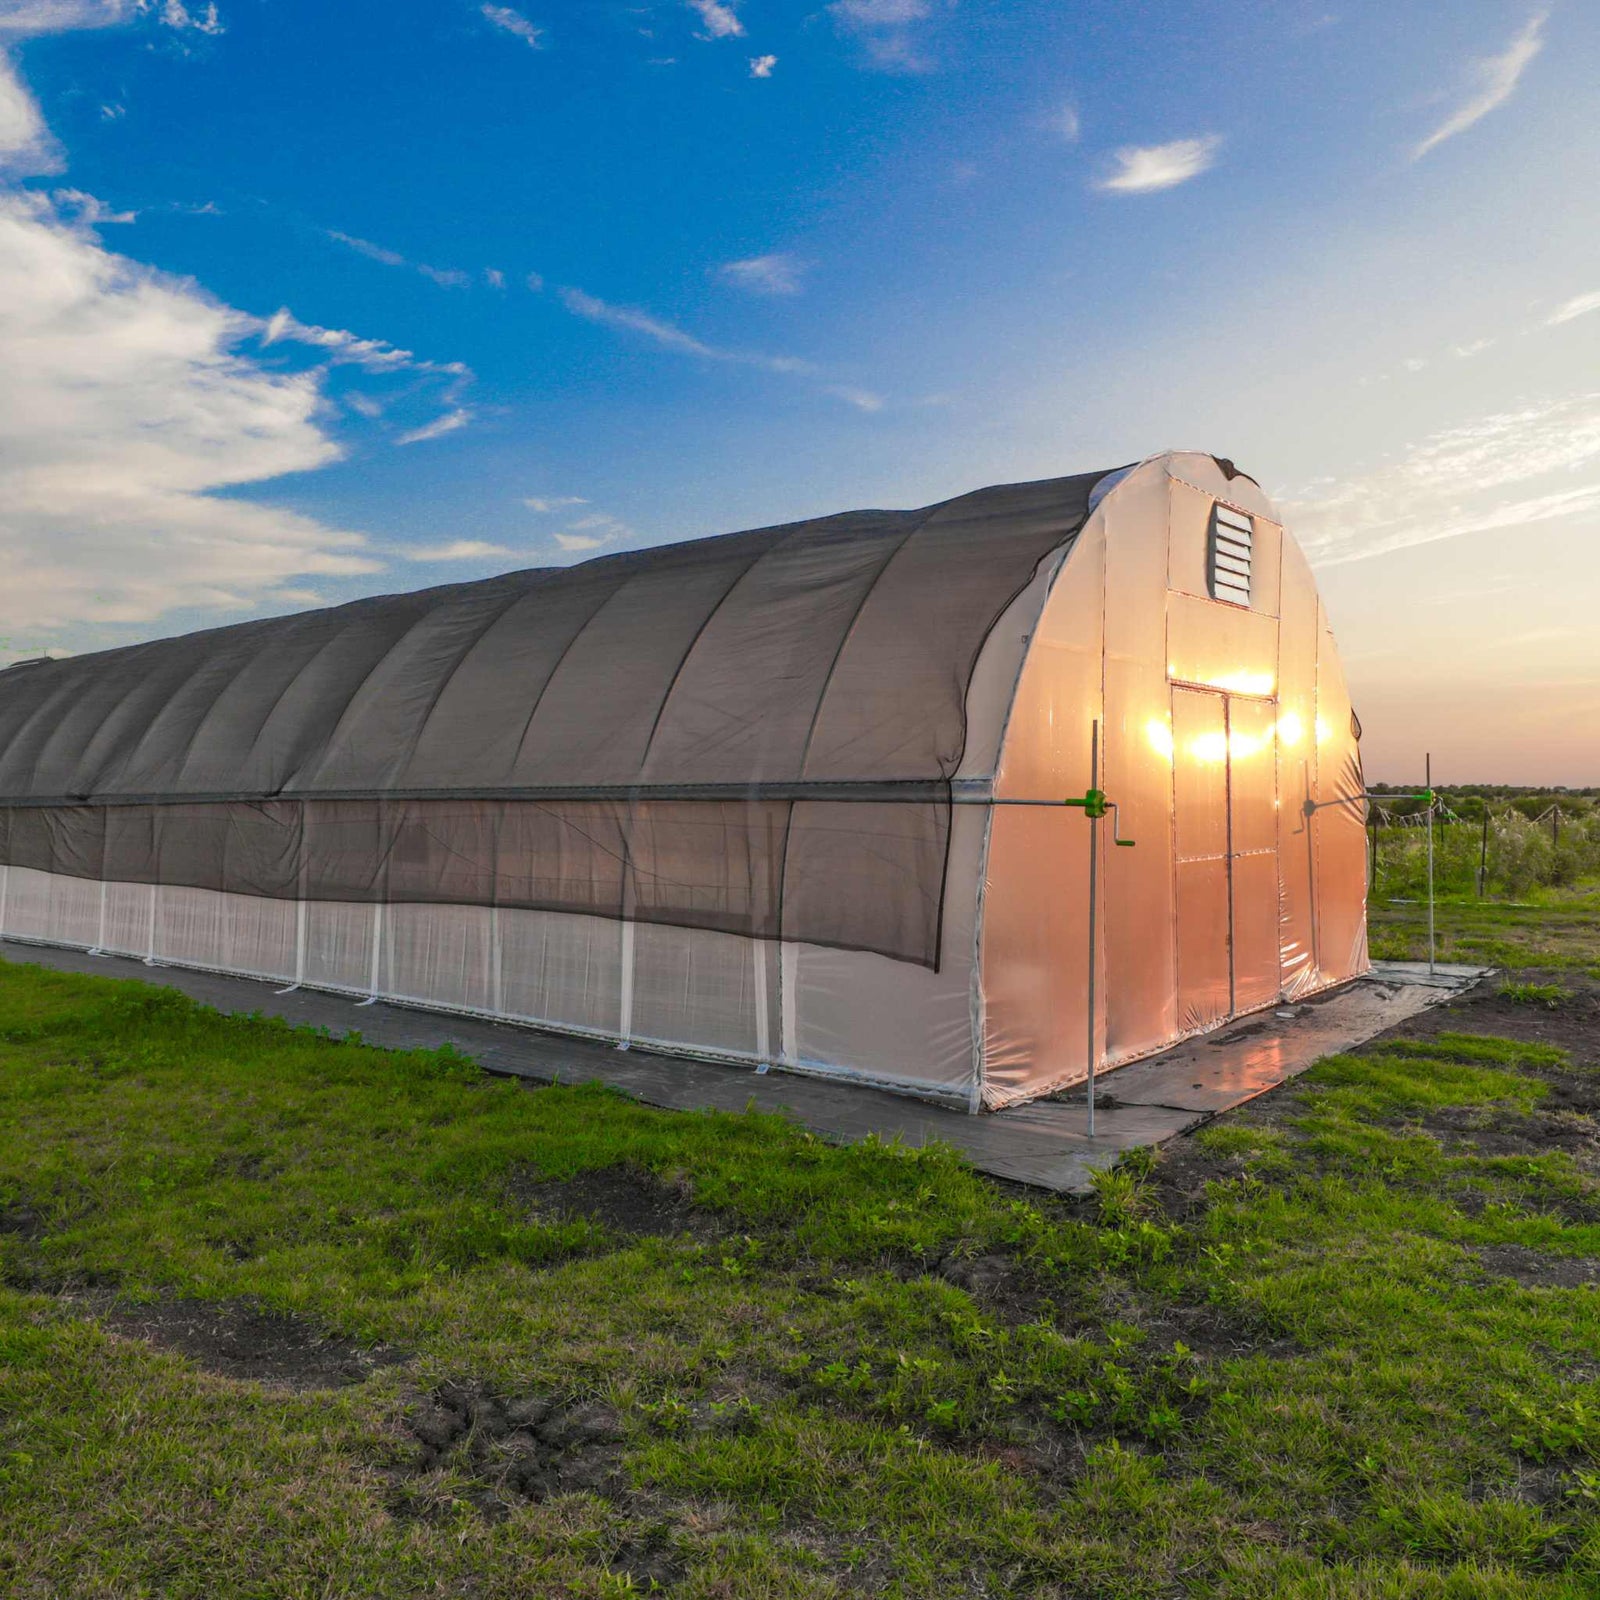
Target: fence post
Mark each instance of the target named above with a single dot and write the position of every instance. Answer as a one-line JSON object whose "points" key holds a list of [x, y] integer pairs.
{"points": [[1483, 851]]}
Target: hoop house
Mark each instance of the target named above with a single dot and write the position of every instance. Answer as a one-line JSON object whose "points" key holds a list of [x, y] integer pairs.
{"points": [[759, 797]]}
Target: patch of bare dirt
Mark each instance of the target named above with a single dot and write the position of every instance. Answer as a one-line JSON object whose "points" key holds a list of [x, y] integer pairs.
{"points": [[1497, 1131], [517, 1449], [1537, 1269], [238, 1339], [21, 1221], [624, 1200]]}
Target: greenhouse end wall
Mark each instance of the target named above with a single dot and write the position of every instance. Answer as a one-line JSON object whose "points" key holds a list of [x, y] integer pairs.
{"points": [[1215, 725]]}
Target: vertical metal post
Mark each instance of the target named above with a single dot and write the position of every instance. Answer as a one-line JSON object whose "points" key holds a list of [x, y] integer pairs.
{"points": [[1428, 785], [1094, 890], [376, 971]]}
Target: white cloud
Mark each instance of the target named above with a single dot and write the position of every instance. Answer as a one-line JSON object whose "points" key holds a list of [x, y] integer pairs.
{"points": [[87, 209], [459, 550], [1580, 305], [761, 66], [718, 19], [1497, 78], [175, 14], [884, 28], [774, 274], [375, 355], [1143, 169], [25, 143], [451, 421], [494, 277], [544, 504], [131, 397], [1472, 347], [592, 532], [513, 22], [535, 281], [1508, 470]]}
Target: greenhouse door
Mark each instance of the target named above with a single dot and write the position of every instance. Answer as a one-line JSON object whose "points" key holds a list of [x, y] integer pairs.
{"points": [[1224, 769]]}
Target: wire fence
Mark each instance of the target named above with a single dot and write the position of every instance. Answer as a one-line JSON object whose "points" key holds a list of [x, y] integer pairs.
{"points": [[1486, 849]]}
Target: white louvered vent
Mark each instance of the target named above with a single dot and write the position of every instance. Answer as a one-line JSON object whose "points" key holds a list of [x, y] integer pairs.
{"points": [[1228, 559]]}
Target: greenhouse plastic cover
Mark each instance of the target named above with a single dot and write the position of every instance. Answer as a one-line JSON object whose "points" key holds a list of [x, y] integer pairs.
{"points": [[754, 734]]}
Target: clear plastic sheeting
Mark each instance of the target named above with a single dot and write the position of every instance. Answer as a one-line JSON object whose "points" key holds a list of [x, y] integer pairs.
{"points": [[789, 797]]}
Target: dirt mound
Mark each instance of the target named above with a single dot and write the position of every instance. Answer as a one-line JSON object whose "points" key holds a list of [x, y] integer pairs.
{"points": [[237, 1339], [626, 1200], [528, 1448]]}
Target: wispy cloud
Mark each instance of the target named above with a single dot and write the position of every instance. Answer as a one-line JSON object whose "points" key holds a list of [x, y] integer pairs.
{"points": [[343, 347], [1143, 169], [861, 399], [1065, 123], [544, 504], [513, 22], [660, 332], [459, 550], [761, 66], [1580, 305], [445, 277], [774, 274], [671, 337], [1496, 78], [88, 209], [885, 31], [365, 247], [719, 20], [1510, 469], [449, 422]]}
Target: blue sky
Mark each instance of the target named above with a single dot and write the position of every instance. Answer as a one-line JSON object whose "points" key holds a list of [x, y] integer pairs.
{"points": [[304, 301]]}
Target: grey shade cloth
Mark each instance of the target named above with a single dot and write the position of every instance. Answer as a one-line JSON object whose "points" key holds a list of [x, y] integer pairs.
{"points": [[753, 733]]}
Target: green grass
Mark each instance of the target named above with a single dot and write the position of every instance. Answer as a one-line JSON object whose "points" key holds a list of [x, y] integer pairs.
{"points": [[1300, 1383], [1549, 928], [1549, 995]]}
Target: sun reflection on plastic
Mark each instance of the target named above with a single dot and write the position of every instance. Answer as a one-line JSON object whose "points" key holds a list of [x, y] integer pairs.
{"points": [[1158, 734], [1209, 747], [1291, 730]]}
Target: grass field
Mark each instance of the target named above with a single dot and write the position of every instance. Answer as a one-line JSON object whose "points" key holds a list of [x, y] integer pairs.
{"points": [[281, 1316]]}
